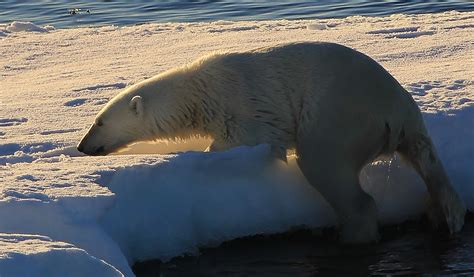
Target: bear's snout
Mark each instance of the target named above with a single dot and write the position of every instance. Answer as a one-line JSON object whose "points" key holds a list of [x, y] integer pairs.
{"points": [[90, 144], [98, 151], [89, 149]]}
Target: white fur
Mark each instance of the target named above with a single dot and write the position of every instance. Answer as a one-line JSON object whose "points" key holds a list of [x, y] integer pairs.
{"points": [[336, 106]]}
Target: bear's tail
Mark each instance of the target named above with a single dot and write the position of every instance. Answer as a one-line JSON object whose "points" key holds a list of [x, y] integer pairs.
{"points": [[446, 205]]}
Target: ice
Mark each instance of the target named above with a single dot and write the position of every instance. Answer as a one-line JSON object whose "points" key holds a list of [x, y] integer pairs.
{"points": [[18, 26], [34, 255], [63, 211], [202, 199]]}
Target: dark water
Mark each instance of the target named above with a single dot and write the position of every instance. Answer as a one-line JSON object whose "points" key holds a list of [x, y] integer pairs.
{"points": [[123, 12], [409, 249]]}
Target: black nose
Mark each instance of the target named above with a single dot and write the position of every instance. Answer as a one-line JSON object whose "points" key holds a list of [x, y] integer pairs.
{"points": [[100, 150]]}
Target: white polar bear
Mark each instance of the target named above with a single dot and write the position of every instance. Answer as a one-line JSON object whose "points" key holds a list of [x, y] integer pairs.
{"points": [[337, 107]]}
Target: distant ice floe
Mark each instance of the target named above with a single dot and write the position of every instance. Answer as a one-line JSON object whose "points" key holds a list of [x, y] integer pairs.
{"points": [[19, 26], [24, 26]]}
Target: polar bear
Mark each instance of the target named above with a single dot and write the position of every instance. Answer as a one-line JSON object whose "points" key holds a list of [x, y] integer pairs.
{"points": [[338, 109]]}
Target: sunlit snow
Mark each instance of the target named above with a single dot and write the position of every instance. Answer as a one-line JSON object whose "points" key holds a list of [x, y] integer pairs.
{"points": [[62, 212]]}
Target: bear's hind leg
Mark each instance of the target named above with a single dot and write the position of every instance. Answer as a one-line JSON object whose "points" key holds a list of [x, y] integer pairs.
{"points": [[445, 203], [339, 185]]}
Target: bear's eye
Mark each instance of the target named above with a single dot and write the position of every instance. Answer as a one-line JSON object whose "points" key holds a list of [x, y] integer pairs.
{"points": [[99, 123]]}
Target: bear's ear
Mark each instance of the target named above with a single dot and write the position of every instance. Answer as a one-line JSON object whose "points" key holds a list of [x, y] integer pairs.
{"points": [[136, 104]]}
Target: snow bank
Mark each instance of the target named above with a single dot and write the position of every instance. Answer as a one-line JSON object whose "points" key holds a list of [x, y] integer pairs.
{"points": [[72, 220], [34, 255], [107, 212], [202, 199]]}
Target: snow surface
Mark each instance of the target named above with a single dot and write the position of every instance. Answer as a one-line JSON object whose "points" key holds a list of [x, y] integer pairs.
{"points": [[63, 212], [34, 255], [18, 26]]}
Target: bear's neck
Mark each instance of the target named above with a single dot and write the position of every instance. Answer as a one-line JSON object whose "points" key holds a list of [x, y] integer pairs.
{"points": [[184, 116]]}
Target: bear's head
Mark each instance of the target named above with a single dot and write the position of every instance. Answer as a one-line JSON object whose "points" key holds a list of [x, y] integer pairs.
{"points": [[118, 124]]}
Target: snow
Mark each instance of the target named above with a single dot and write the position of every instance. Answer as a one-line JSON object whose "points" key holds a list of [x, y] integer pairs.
{"points": [[34, 255], [63, 212], [18, 26], [207, 197]]}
